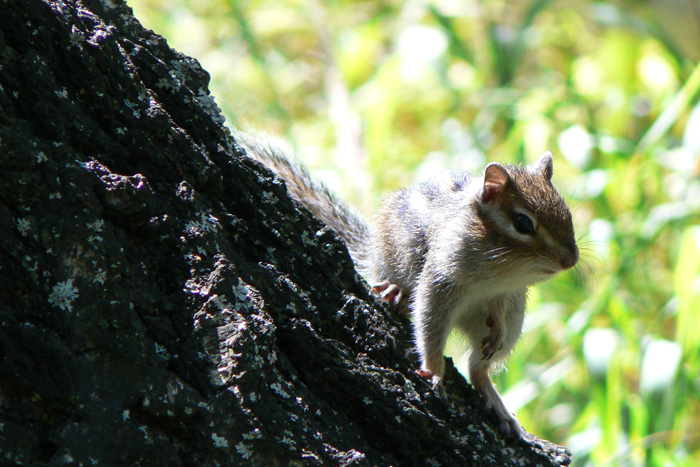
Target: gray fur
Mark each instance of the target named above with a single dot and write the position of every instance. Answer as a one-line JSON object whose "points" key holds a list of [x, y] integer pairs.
{"points": [[450, 244]]}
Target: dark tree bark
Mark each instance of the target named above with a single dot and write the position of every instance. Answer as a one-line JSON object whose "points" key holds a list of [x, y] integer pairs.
{"points": [[163, 302]]}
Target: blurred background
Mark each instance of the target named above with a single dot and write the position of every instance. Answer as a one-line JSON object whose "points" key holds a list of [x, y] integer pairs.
{"points": [[376, 95]]}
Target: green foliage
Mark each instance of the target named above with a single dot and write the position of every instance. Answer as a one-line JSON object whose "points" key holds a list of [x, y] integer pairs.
{"points": [[381, 94]]}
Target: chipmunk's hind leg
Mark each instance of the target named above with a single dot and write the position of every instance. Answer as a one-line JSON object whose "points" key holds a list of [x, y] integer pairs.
{"points": [[508, 425]]}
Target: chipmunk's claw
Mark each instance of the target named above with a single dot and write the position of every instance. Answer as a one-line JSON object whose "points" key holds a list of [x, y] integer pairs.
{"points": [[392, 294], [435, 380]]}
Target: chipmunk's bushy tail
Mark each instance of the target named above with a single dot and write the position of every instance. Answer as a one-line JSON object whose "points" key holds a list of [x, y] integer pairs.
{"points": [[312, 194]]}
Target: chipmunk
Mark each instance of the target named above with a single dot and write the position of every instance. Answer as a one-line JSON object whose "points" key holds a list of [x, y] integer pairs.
{"points": [[458, 250]]}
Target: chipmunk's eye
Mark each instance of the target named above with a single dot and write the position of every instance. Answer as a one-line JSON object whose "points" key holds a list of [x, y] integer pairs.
{"points": [[523, 224]]}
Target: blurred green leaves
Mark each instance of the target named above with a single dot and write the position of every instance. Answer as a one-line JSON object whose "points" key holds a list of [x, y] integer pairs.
{"points": [[687, 292]]}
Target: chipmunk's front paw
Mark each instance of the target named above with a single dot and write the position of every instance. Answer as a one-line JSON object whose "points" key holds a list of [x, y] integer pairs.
{"points": [[508, 425], [493, 342], [392, 294]]}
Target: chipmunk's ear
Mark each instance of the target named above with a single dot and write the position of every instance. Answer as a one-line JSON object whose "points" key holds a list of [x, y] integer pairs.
{"points": [[495, 182], [545, 166]]}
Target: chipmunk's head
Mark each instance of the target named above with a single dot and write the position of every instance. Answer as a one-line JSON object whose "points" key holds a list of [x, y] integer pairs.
{"points": [[527, 219]]}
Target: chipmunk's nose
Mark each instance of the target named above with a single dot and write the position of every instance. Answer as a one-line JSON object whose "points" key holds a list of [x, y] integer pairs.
{"points": [[570, 259]]}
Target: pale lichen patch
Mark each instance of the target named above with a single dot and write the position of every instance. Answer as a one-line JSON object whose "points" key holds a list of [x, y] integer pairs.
{"points": [[63, 294]]}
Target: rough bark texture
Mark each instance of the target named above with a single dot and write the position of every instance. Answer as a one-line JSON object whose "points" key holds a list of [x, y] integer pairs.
{"points": [[163, 302]]}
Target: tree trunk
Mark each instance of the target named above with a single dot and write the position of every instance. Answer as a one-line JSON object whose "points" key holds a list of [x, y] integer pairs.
{"points": [[164, 302]]}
